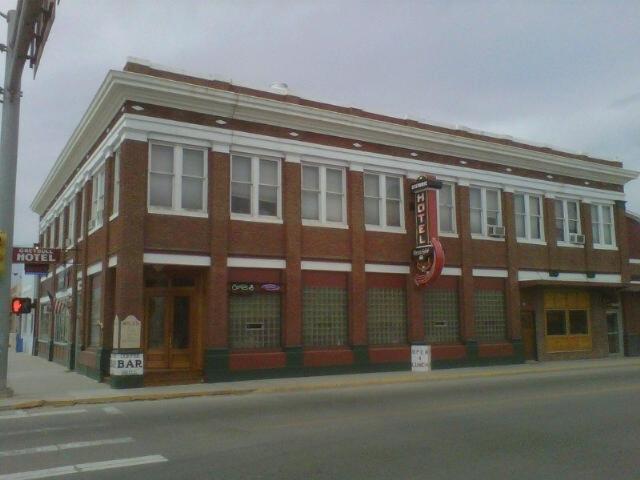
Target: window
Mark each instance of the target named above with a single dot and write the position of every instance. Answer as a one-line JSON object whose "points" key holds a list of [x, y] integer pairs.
{"points": [[255, 187], [446, 209], [97, 201], [72, 222], [567, 322], [441, 315], [602, 225], [83, 218], [484, 209], [50, 239], [324, 316], [323, 194], [528, 212], [62, 321], [95, 306], [61, 229], [177, 179], [116, 185], [383, 201], [44, 331], [490, 317], [254, 320], [386, 316], [567, 219]]}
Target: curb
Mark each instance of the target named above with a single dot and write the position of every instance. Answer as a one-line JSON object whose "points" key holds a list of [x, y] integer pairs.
{"points": [[408, 378]]}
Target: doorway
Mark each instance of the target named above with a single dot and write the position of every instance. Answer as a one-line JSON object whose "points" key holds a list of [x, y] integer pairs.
{"points": [[529, 344], [614, 332]]}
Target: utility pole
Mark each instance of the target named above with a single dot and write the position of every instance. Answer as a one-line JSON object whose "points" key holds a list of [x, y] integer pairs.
{"points": [[28, 29]]}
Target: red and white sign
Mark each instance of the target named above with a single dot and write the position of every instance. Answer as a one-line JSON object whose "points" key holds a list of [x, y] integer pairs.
{"points": [[35, 255], [428, 254]]}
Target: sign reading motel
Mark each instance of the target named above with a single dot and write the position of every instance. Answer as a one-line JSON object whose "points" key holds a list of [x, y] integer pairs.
{"points": [[35, 255]]}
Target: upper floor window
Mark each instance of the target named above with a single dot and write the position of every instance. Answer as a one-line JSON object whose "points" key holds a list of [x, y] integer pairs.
{"points": [[485, 211], [61, 229], [71, 223], [568, 228], [116, 185], [255, 187], [446, 208], [383, 201], [97, 201], [83, 214], [323, 194], [528, 212], [177, 179], [602, 225], [50, 241]]}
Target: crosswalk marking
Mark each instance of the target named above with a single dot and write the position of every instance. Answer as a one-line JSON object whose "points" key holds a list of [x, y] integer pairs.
{"points": [[84, 467], [27, 431], [22, 414], [64, 446]]}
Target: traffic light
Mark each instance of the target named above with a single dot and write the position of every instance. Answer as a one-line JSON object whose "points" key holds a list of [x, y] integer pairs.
{"points": [[3, 251], [20, 305]]}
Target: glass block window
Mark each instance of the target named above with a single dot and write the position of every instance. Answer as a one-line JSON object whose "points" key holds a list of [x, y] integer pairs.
{"points": [[386, 316], [490, 316], [254, 320], [441, 317], [324, 316]]}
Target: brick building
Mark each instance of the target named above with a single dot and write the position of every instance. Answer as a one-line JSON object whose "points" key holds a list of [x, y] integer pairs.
{"points": [[255, 233]]}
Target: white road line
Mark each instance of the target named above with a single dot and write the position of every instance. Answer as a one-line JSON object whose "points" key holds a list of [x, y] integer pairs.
{"points": [[84, 467], [64, 446], [23, 414], [112, 410], [53, 429]]}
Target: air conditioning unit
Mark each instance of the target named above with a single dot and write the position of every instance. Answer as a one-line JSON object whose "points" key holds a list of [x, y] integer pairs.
{"points": [[576, 238], [495, 231]]}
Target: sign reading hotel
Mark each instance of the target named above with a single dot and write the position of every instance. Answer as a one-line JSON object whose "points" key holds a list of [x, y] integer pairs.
{"points": [[35, 255], [428, 254]]}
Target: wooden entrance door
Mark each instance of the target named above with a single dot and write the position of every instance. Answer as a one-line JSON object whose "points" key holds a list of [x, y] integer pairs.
{"points": [[529, 335], [169, 328]]}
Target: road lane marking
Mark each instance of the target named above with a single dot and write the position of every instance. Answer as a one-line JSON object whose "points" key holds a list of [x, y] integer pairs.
{"points": [[84, 467], [64, 446], [22, 414], [112, 410], [53, 429]]}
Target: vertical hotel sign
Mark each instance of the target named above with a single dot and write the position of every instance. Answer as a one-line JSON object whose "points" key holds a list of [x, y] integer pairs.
{"points": [[428, 254]]}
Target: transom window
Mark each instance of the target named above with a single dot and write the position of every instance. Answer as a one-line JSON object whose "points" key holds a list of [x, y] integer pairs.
{"points": [[97, 201], [528, 212], [602, 225], [383, 201], [255, 187], [567, 219], [177, 179], [485, 209], [446, 209], [323, 194]]}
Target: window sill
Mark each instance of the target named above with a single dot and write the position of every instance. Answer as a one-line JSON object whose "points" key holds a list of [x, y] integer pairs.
{"points": [[475, 236], [249, 218], [113, 216], [570, 245], [93, 230], [605, 247], [378, 228], [180, 213], [448, 234], [531, 242], [315, 223]]}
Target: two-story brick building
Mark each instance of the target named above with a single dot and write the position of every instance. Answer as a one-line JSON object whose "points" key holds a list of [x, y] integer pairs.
{"points": [[256, 233]]}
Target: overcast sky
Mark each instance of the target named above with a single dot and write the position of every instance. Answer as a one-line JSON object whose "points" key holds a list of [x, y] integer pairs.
{"points": [[563, 74]]}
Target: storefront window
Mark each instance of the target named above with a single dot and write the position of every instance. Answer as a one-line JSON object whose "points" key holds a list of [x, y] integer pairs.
{"points": [[95, 327], [441, 315], [556, 324], [567, 321], [491, 322], [324, 316], [62, 321], [386, 316], [254, 320], [45, 322], [578, 323]]}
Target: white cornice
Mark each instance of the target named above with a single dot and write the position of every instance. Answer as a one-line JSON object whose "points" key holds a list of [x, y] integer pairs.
{"points": [[120, 86]]}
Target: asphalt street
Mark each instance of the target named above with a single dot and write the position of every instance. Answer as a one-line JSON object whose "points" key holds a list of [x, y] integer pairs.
{"points": [[563, 425]]}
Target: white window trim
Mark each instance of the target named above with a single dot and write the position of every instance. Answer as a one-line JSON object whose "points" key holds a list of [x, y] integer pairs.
{"points": [[483, 215], [527, 219], [176, 191], [565, 222], [115, 204], [383, 227], [454, 222], [605, 246], [322, 177], [254, 216], [60, 241], [97, 200], [71, 224]]}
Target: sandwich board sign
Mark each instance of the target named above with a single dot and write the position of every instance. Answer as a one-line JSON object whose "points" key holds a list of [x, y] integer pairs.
{"points": [[420, 358]]}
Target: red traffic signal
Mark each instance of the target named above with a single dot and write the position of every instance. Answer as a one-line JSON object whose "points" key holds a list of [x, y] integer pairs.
{"points": [[20, 305]]}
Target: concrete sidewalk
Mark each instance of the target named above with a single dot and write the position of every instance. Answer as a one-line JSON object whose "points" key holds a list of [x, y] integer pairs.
{"points": [[37, 382]]}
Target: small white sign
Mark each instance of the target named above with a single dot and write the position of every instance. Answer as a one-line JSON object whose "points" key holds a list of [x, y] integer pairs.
{"points": [[420, 358], [127, 364]]}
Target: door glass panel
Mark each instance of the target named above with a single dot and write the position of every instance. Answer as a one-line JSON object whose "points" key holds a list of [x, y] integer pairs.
{"points": [[157, 306], [181, 306]]}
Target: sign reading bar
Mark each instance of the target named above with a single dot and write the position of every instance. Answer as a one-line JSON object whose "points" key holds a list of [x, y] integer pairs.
{"points": [[35, 255], [126, 364]]}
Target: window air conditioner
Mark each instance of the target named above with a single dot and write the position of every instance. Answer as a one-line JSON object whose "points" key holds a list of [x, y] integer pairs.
{"points": [[576, 238], [495, 231]]}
